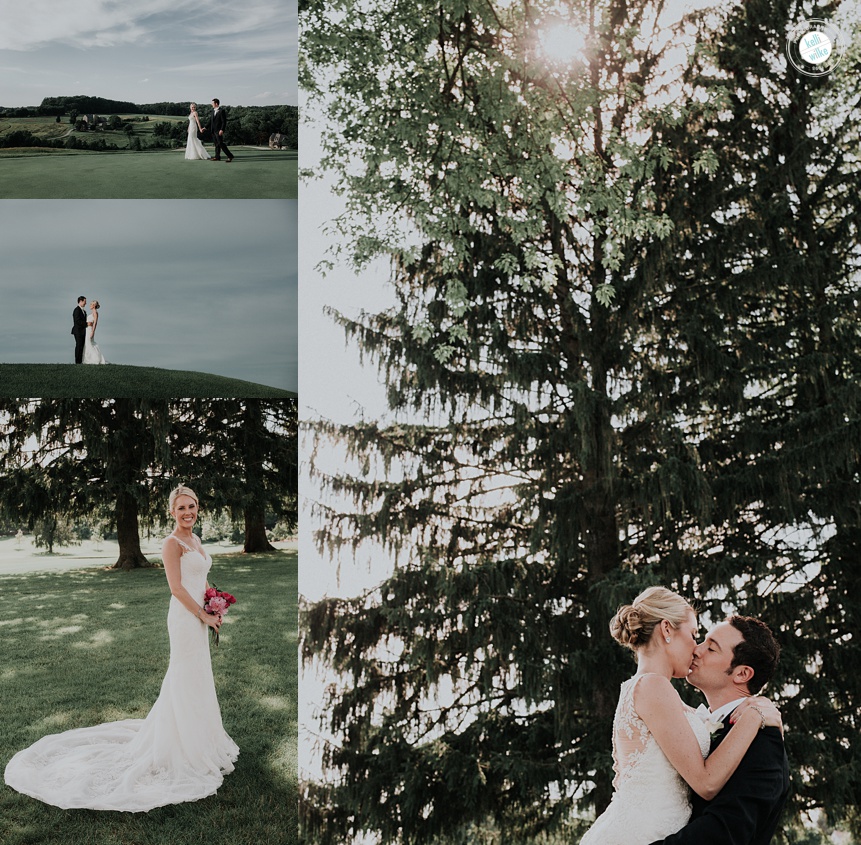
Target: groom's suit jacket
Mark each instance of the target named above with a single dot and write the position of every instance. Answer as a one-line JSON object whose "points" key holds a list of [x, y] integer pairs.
{"points": [[747, 809], [218, 121], [79, 321]]}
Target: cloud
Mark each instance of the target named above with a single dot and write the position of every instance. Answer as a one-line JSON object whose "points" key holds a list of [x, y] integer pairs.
{"points": [[107, 23], [84, 22], [236, 66], [180, 45]]}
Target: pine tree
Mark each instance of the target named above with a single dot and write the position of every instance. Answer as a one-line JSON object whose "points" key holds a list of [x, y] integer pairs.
{"points": [[251, 447], [624, 352], [91, 455], [120, 458]]}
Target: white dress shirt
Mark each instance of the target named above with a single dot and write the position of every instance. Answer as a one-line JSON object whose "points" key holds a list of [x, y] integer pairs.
{"points": [[725, 709]]}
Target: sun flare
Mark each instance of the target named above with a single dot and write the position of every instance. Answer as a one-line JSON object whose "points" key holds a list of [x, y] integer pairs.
{"points": [[563, 42]]}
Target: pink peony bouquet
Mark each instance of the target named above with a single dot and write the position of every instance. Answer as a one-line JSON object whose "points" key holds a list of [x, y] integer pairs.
{"points": [[217, 603]]}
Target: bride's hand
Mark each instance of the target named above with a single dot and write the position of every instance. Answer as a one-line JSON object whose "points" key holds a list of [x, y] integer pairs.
{"points": [[213, 621], [766, 709]]}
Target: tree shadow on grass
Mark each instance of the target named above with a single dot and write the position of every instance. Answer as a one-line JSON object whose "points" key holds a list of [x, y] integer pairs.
{"points": [[112, 668]]}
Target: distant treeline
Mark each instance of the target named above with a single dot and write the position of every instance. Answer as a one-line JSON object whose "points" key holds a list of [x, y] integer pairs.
{"points": [[246, 124]]}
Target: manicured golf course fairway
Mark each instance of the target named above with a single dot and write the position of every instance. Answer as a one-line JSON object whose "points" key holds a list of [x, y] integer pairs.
{"points": [[255, 173]]}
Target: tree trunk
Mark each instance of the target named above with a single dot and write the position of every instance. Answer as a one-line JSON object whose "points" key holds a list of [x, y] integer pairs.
{"points": [[254, 434], [255, 531], [128, 535]]}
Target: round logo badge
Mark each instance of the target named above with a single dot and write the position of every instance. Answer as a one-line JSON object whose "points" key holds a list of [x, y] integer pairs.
{"points": [[815, 47]]}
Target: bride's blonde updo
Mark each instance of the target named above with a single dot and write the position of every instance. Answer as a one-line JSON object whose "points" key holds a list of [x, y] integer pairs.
{"points": [[634, 623], [181, 490]]}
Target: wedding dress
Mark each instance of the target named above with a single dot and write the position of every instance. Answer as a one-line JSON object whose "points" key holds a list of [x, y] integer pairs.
{"points": [[180, 752], [92, 353], [650, 798], [194, 150]]}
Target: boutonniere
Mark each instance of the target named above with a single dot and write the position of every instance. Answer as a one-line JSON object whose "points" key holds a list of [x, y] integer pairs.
{"points": [[713, 725]]}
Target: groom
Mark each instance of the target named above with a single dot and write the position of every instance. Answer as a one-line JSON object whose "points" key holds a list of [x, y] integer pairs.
{"points": [[79, 327], [217, 125], [734, 662]]}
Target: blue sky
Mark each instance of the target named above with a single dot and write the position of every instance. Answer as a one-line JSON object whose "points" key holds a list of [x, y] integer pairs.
{"points": [[203, 285], [149, 51]]}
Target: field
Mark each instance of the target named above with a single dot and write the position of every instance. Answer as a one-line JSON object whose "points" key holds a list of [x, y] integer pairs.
{"points": [[88, 646], [47, 173], [60, 381]]}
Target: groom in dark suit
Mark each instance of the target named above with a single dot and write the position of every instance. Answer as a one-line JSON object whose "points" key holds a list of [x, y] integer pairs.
{"points": [[217, 125], [79, 327], [734, 662]]}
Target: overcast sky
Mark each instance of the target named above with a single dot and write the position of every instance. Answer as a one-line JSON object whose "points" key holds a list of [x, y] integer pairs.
{"points": [[149, 51], [204, 285]]}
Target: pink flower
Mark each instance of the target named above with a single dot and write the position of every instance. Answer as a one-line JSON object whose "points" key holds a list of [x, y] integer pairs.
{"points": [[216, 605]]}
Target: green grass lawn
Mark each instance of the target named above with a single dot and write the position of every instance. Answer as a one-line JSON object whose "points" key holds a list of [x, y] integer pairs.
{"points": [[91, 646], [39, 173], [62, 381]]}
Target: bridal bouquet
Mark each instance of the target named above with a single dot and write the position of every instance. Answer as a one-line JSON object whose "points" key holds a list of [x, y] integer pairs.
{"points": [[217, 603]]}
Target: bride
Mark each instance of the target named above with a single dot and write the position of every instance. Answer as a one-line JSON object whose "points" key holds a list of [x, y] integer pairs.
{"points": [[92, 353], [181, 751], [660, 745], [194, 150]]}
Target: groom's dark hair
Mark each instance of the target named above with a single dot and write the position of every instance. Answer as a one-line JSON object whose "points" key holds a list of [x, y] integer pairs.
{"points": [[82, 299], [759, 650], [216, 101]]}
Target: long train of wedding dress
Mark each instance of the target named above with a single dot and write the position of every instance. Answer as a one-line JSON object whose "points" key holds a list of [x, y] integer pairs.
{"points": [[92, 353], [180, 752], [194, 150], [650, 799]]}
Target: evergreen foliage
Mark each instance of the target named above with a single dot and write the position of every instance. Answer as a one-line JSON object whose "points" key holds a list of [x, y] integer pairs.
{"points": [[625, 351], [254, 444], [119, 459]]}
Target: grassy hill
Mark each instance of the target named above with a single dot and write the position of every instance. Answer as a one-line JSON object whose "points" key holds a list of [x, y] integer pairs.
{"points": [[62, 381]]}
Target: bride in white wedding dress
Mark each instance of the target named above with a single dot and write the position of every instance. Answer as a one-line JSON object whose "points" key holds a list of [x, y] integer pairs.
{"points": [[181, 751], [660, 745], [194, 150], [92, 353]]}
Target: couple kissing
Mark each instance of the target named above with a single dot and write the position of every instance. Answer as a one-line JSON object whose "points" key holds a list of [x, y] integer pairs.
{"points": [[730, 754]]}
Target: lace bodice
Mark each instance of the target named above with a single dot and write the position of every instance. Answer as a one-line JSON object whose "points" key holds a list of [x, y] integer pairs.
{"points": [[650, 798]]}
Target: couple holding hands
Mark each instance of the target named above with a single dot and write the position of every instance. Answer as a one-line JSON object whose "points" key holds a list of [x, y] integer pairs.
{"points": [[194, 149]]}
